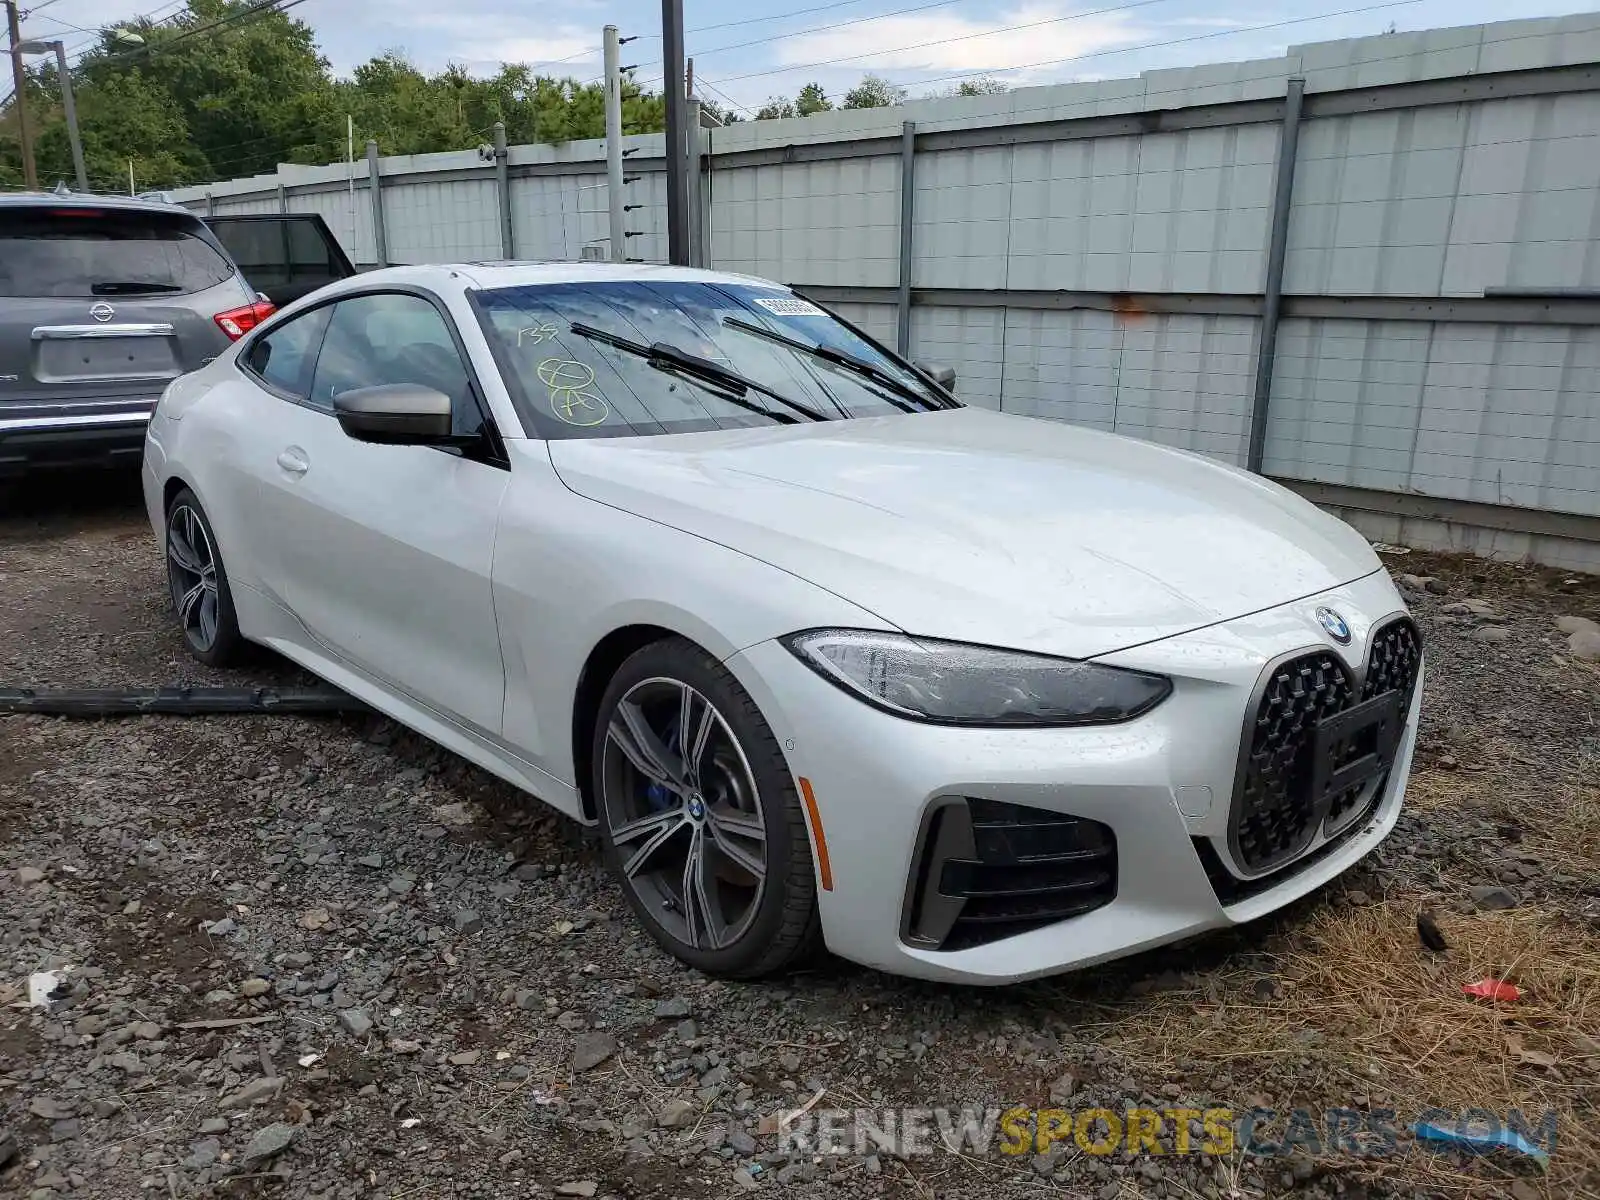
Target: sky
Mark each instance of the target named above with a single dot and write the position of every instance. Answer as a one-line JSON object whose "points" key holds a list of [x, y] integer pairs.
{"points": [[748, 50]]}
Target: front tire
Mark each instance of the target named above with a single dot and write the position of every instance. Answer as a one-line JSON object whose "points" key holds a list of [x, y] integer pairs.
{"points": [[198, 584], [699, 818]]}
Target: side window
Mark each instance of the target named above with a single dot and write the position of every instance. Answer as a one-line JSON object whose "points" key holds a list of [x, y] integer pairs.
{"points": [[283, 357], [309, 256], [393, 339]]}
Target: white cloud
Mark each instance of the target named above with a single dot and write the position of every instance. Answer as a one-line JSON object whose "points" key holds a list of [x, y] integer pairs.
{"points": [[949, 41], [478, 34]]}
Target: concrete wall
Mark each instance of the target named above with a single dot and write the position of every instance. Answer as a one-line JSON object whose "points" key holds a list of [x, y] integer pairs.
{"points": [[1098, 253]]}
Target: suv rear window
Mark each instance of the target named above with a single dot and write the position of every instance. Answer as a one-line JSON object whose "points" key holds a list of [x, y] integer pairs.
{"points": [[92, 252]]}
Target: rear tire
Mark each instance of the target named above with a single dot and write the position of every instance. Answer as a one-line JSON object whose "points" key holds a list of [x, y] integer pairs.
{"points": [[709, 845], [198, 585]]}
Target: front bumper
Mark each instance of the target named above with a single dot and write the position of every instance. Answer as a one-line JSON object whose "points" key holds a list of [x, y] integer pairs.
{"points": [[1163, 784], [79, 434]]}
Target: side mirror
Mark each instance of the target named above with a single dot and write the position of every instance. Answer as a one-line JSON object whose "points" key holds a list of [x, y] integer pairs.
{"points": [[395, 414], [944, 376]]}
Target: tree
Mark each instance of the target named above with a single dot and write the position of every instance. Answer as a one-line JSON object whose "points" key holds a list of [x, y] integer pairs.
{"points": [[203, 100], [983, 85], [775, 109], [812, 99], [874, 92], [252, 92], [727, 114]]}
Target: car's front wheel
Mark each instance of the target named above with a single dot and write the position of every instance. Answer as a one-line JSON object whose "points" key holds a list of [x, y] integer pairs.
{"points": [[699, 817], [198, 583]]}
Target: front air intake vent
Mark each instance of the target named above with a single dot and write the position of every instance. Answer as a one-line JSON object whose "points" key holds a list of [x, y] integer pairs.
{"points": [[987, 870]]}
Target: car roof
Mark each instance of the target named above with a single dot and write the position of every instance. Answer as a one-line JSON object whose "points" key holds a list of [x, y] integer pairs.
{"points": [[503, 273], [87, 200]]}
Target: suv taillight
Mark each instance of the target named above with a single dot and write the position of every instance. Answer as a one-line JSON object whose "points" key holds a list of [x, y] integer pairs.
{"points": [[237, 322]]}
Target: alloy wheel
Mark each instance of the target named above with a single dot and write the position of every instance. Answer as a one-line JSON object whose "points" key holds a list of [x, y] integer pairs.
{"points": [[192, 576], [684, 814]]}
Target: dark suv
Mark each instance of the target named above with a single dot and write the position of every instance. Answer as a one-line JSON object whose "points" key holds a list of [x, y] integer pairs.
{"points": [[103, 301]]}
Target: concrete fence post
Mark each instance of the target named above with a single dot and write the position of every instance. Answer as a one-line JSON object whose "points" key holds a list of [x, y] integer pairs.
{"points": [[908, 190], [502, 184], [1272, 289], [380, 237]]}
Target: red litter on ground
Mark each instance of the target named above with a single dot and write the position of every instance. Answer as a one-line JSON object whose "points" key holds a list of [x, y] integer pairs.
{"points": [[1493, 989]]}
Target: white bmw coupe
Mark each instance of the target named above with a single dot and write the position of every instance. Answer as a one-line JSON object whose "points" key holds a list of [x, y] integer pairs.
{"points": [[827, 656]]}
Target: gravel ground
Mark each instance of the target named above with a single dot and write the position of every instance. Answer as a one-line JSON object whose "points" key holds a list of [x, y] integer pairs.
{"points": [[322, 958]]}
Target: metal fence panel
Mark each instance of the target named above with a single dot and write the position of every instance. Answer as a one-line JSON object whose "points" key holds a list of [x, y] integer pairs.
{"points": [[451, 221], [352, 225], [821, 223], [1432, 166], [1493, 413], [1179, 380], [972, 340]]}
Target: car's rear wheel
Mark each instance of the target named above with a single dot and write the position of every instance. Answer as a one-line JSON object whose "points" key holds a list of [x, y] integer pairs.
{"points": [[699, 817], [198, 583]]}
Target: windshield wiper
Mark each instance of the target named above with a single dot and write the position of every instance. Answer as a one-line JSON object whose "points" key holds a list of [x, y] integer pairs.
{"points": [[665, 357], [918, 401], [130, 287]]}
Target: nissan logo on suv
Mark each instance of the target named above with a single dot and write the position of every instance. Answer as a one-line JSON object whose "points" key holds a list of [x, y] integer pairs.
{"points": [[102, 312]]}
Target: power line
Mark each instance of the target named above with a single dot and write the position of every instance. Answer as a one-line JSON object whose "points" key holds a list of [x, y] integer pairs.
{"points": [[784, 16], [63, 24], [1199, 37], [701, 79], [899, 12], [80, 48], [263, 8], [1099, 12]]}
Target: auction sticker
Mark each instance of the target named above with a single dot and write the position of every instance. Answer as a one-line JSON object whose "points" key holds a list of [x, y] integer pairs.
{"points": [[788, 306]]}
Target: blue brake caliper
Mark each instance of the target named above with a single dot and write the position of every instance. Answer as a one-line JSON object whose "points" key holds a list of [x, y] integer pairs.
{"points": [[657, 794]]}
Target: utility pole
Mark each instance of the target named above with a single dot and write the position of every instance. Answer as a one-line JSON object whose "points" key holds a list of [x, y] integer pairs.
{"points": [[30, 177], [40, 46], [677, 130], [71, 111], [613, 64]]}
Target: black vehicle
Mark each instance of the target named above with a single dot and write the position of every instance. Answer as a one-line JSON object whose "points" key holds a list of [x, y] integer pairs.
{"points": [[285, 256]]}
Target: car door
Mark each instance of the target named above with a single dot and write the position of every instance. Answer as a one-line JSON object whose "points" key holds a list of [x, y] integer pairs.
{"points": [[285, 257], [384, 552]]}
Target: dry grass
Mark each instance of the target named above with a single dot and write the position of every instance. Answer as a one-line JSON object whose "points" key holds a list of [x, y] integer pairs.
{"points": [[1396, 1031], [1560, 821]]}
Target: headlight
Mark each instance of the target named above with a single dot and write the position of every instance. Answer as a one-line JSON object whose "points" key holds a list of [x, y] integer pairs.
{"points": [[952, 683]]}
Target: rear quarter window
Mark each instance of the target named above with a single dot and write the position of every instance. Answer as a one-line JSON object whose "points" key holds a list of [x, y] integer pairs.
{"points": [[91, 252]]}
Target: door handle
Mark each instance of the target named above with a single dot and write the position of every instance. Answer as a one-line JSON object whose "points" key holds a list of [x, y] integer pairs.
{"points": [[293, 460]]}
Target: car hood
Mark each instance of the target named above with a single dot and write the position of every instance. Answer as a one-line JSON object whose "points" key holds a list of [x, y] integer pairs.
{"points": [[986, 527]]}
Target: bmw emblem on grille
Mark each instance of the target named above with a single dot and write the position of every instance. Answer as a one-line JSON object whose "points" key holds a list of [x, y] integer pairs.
{"points": [[1337, 627], [102, 312]]}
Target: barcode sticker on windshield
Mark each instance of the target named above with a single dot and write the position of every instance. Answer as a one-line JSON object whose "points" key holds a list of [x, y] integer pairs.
{"points": [[789, 307]]}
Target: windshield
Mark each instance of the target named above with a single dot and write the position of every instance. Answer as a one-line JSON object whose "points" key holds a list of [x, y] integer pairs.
{"points": [[578, 384], [91, 252]]}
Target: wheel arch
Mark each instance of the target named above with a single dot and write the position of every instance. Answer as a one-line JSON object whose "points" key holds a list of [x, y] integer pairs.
{"points": [[603, 662], [169, 492]]}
